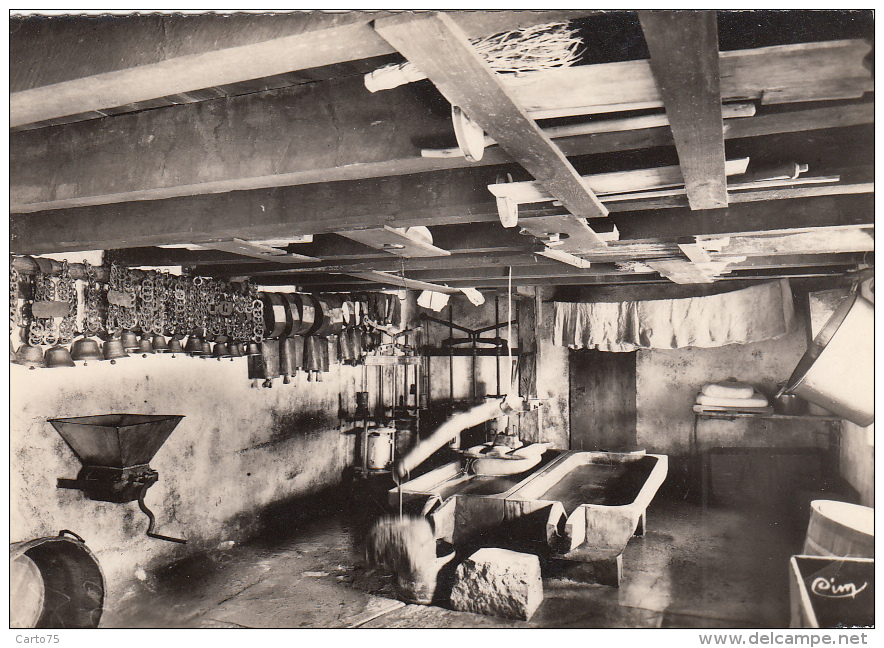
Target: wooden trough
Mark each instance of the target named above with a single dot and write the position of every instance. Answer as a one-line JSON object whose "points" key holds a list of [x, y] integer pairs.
{"points": [[579, 506]]}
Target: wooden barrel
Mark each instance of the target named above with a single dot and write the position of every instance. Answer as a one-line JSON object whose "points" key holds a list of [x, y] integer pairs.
{"points": [[56, 582], [840, 529]]}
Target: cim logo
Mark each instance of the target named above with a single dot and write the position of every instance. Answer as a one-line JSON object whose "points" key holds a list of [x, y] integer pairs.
{"points": [[827, 588]]}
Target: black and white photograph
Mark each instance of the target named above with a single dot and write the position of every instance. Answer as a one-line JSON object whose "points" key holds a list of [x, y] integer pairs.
{"points": [[441, 319]]}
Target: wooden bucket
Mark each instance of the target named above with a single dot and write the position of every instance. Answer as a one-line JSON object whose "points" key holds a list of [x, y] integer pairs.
{"points": [[840, 529], [55, 582]]}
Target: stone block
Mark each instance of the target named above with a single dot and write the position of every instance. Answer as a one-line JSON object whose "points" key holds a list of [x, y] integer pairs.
{"points": [[498, 582]]}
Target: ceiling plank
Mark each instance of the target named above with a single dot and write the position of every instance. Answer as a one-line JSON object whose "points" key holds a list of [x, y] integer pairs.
{"points": [[439, 48], [144, 57], [684, 60], [395, 241], [265, 252], [394, 280], [616, 182]]}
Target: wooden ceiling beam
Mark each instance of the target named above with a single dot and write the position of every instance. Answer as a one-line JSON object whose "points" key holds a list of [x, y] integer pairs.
{"points": [[684, 60], [244, 143], [136, 58], [440, 50], [442, 198]]}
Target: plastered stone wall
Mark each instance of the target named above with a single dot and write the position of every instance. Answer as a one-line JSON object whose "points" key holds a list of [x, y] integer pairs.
{"points": [[667, 383], [237, 450]]}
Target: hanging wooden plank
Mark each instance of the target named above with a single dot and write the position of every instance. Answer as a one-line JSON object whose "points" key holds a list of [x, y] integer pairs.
{"points": [[395, 241], [564, 257], [728, 111], [254, 250], [394, 280], [684, 61], [602, 184], [435, 44]]}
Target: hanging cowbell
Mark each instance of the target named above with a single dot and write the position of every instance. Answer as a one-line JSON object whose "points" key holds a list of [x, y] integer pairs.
{"points": [[29, 356], [194, 345], [113, 349], [86, 350], [158, 344], [129, 340], [175, 346], [58, 356], [144, 346]]}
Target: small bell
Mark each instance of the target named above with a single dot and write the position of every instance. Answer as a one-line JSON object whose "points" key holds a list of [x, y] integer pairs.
{"points": [[129, 340], [145, 347], [113, 349], [158, 344], [235, 350], [207, 349], [254, 349], [58, 356], [29, 356], [175, 346], [85, 349]]}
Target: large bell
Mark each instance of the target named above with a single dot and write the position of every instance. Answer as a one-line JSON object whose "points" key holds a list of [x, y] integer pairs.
{"points": [[158, 344], [113, 349], [85, 349], [221, 350], [175, 346], [145, 347], [58, 356], [29, 356], [194, 345], [130, 341]]}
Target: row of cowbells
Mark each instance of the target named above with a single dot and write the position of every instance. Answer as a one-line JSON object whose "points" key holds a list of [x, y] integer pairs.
{"points": [[87, 349], [288, 356]]}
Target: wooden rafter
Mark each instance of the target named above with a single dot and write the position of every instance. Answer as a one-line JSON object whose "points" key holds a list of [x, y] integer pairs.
{"points": [[439, 48], [684, 60]]}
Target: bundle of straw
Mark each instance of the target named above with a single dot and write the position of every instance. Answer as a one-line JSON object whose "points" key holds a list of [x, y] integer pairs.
{"points": [[517, 52]]}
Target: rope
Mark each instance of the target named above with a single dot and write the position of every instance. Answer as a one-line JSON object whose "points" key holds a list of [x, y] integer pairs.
{"points": [[509, 330]]}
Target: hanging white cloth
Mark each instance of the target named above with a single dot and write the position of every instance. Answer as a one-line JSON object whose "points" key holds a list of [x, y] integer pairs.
{"points": [[753, 314]]}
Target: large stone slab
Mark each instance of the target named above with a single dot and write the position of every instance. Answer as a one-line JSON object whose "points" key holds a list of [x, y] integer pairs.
{"points": [[498, 582]]}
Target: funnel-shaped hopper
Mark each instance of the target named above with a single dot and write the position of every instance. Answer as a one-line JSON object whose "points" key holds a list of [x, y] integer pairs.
{"points": [[116, 440]]}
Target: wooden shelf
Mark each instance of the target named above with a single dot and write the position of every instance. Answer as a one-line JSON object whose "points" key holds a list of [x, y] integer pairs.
{"points": [[757, 415]]}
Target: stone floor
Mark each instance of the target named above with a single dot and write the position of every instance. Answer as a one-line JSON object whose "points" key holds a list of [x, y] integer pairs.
{"points": [[694, 568]]}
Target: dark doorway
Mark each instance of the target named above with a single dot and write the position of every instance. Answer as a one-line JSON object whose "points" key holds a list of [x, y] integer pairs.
{"points": [[602, 395]]}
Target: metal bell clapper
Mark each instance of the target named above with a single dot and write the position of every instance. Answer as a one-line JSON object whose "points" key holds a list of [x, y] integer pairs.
{"points": [[84, 350], [29, 356], [113, 349], [129, 340]]}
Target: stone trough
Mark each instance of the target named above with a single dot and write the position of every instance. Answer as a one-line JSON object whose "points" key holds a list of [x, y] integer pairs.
{"points": [[579, 506]]}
